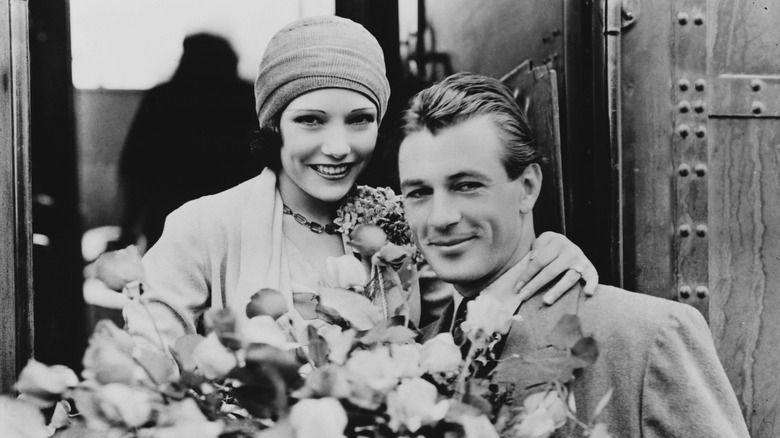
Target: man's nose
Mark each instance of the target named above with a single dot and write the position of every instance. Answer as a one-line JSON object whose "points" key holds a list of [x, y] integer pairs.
{"points": [[336, 143], [443, 212]]}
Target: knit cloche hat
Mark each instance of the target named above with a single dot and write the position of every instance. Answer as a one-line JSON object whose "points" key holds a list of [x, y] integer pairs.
{"points": [[315, 53]]}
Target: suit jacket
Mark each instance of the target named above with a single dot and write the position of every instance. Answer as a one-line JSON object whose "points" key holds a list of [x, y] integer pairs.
{"points": [[657, 356]]}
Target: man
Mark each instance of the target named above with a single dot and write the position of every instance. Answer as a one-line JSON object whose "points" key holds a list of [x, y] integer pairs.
{"points": [[470, 176]]}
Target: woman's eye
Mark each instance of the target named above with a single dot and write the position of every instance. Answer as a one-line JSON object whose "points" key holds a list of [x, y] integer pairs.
{"points": [[308, 120], [363, 119]]}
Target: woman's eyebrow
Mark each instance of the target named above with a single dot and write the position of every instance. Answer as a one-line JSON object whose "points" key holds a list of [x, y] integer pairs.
{"points": [[366, 109]]}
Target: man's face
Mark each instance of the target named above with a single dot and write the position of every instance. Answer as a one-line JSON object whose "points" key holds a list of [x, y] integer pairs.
{"points": [[463, 210]]}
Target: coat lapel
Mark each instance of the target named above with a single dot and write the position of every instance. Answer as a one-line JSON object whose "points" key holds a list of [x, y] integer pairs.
{"points": [[527, 352]]}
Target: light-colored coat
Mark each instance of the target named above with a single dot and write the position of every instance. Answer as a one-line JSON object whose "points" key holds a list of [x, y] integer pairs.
{"points": [[656, 355], [215, 252]]}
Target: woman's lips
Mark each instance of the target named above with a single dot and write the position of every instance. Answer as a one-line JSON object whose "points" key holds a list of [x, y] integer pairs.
{"points": [[332, 171]]}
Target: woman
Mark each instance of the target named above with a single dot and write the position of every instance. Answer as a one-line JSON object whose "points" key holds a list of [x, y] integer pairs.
{"points": [[320, 92]]}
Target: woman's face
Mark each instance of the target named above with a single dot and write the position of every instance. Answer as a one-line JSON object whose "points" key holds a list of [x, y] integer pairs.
{"points": [[328, 137]]}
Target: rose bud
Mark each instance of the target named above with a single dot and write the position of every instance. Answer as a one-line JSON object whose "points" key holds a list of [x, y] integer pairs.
{"points": [[268, 302], [367, 239]]}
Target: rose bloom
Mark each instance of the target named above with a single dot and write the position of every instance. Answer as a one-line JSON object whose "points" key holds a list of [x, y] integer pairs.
{"points": [[440, 354], [185, 419], [212, 359], [406, 359], [545, 413], [413, 405], [329, 381], [264, 330], [347, 272], [124, 404], [318, 418], [43, 382], [486, 316], [477, 427], [374, 368]]}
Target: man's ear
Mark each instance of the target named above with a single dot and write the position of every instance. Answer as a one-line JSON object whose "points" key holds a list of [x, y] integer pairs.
{"points": [[531, 179]]}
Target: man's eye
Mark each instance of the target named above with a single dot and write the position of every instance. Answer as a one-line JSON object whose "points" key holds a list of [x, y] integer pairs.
{"points": [[468, 186], [416, 194]]}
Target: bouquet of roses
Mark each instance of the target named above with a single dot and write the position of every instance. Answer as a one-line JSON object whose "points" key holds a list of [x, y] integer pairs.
{"points": [[361, 375]]}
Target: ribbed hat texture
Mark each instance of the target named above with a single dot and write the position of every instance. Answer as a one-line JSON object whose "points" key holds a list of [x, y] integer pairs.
{"points": [[315, 53]]}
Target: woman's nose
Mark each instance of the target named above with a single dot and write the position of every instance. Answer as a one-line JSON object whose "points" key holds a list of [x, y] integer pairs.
{"points": [[336, 144]]}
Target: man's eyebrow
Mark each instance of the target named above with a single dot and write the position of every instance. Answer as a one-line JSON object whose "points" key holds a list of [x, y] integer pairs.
{"points": [[411, 183], [468, 174]]}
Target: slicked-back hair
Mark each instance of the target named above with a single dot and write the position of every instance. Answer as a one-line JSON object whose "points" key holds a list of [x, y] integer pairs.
{"points": [[464, 96]]}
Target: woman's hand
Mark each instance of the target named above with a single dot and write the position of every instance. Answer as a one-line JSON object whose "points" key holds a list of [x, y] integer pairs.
{"points": [[551, 255]]}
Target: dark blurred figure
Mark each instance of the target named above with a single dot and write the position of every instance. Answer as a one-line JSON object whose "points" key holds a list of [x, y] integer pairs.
{"points": [[190, 138]]}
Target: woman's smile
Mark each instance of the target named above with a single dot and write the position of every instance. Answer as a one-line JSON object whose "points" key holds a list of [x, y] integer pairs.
{"points": [[332, 171]]}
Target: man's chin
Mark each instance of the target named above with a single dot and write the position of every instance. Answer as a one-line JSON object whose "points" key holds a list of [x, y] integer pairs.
{"points": [[453, 273]]}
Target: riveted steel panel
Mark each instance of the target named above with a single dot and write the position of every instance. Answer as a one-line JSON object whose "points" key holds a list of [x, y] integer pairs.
{"points": [[689, 145], [739, 95]]}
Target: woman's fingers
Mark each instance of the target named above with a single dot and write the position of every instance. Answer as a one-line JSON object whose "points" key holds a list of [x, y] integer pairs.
{"points": [[549, 271], [591, 278], [541, 255], [569, 279]]}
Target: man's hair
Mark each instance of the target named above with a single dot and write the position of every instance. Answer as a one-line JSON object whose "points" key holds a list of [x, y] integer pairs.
{"points": [[464, 96]]}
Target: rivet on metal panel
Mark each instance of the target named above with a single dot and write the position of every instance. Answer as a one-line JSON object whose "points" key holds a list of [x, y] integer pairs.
{"points": [[702, 292], [685, 230], [684, 84], [698, 106], [684, 169], [684, 106], [685, 292], [700, 169], [757, 107], [755, 84], [701, 131], [683, 130], [698, 18], [699, 84], [701, 230], [682, 18]]}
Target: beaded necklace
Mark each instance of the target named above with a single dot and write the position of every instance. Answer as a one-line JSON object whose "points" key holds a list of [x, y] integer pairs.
{"points": [[313, 226]]}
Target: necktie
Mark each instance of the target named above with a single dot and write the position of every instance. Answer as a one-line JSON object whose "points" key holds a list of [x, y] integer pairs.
{"points": [[457, 332]]}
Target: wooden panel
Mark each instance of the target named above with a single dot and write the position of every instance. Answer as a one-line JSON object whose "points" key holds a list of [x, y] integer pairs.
{"points": [[745, 263], [744, 37], [648, 166], [15, 219], [536, 90]]}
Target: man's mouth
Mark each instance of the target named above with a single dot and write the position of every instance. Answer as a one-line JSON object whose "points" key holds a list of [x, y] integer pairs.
{"points": [[332, 171], [449, 243]]}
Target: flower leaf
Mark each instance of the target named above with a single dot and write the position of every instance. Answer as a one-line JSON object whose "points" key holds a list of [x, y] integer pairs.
{"points": [[356, 309], [318, 348], [584, 352]]}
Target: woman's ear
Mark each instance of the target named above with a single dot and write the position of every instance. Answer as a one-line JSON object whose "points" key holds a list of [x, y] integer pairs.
{"points": [[531, 180]]}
